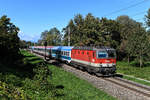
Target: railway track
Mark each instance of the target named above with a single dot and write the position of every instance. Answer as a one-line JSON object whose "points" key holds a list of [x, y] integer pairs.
{"points": [[115, 86], [141, 89]]}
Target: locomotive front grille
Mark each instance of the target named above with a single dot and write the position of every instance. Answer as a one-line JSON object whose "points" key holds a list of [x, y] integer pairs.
{"points": [[107, 65]]}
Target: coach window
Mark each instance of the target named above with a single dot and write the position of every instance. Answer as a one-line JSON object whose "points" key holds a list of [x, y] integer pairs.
{"points": [[65, 53]]}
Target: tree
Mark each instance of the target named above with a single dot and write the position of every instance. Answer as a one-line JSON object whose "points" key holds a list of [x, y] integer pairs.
{"points": [[76, 32], [9, 40], [127, 28], [148, 18], [73, 36], [142, 45], [92, 31], [53, 37]]}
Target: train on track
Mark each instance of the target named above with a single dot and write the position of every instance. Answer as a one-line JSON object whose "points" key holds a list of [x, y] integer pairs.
{"points": [[97, 60]]}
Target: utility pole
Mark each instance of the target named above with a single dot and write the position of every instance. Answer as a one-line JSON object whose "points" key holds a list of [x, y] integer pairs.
{"points": [[68, 36], [45, 44]]}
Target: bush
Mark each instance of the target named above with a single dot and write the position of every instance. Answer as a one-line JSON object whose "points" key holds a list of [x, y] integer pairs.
{"points": [[9, 92]]}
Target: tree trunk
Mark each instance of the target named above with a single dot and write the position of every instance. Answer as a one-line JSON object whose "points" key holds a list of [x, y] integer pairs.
{"points": [[128, 60], [141, 64]]}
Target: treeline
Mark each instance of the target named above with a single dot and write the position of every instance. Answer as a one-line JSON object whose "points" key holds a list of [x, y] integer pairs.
{"points": [[25, 44], [130, 38]]}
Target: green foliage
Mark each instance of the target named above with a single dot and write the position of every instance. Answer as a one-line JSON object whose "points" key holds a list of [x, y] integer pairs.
{"points": [[9, 40], [53, 37], [31, 80], [92, 31], [39, 87], [142, 46], [25, 44], [9, 92], [148, 18], [128, 29]]}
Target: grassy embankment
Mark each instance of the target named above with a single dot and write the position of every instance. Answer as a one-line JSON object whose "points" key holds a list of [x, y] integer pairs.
{"points": [[63, 85], [143, 73]]}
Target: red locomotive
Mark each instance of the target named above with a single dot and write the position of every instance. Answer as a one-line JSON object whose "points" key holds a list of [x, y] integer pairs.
{"points": [[99, 60]]}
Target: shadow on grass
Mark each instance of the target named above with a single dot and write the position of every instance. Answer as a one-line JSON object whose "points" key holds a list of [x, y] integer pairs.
{"points": [[55, 63]]}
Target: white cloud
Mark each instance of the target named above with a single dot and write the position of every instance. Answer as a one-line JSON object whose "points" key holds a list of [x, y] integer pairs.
{"points": [[29, 37]]}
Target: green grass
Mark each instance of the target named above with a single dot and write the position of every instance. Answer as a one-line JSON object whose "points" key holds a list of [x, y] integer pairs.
{"points": [[144, 72], [136, 80], [72, 87], [75, 88]]}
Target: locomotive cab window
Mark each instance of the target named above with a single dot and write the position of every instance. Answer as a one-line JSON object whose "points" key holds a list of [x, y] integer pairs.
{"points": [[102, 54]]}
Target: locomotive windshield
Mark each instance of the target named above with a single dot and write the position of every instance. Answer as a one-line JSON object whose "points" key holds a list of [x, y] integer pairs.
{"points": [[106, 54], [102, 54]]}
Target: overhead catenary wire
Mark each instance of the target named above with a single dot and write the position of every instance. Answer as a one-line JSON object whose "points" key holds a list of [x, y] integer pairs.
{"points": [[139, 13], [126, 8]]}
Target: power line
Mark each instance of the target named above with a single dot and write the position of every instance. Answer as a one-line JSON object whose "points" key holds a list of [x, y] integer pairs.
{"points": [[133, 5], [139, 13]]}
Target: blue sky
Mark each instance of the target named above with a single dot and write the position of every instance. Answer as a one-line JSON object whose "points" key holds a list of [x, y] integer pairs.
{"points": [[35, 16]]}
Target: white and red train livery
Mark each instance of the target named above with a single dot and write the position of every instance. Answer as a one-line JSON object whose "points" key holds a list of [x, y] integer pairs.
{"points": [[96, 59]]}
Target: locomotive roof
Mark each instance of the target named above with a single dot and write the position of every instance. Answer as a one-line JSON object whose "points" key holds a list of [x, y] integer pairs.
{"points": [[93, 48]]}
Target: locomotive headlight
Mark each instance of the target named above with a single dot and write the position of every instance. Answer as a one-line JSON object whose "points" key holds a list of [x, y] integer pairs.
{"points": [[93, 60]]}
